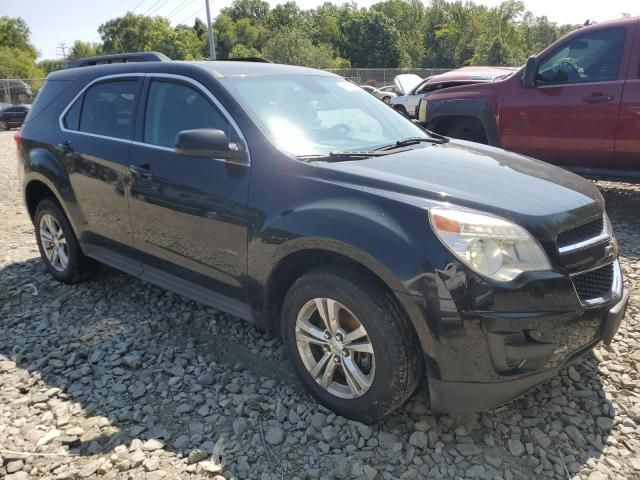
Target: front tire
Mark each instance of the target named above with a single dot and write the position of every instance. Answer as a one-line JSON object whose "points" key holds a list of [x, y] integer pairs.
{"points": [[58, 245], [350, 345]]}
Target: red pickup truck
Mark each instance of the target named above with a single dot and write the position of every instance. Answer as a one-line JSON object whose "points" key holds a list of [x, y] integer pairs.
{"points": [[575, 104]]}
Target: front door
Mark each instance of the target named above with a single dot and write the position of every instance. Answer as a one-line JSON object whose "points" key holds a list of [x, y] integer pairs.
{"points": [[570, 116], [96, 138], [189, 213]]}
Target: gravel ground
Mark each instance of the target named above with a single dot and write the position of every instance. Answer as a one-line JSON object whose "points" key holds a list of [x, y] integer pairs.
{"points": [[115, 378]]}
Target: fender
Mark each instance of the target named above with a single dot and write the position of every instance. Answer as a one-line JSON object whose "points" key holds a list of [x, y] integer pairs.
{"points": [[476, 108], [42, 166], [386, 250]]}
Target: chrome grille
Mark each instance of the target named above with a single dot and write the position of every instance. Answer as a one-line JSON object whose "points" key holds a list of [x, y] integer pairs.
{"points": [[595, 283], [581, 233]]}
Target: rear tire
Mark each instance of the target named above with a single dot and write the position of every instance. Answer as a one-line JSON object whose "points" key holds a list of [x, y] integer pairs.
{"points": [[388, 375], [3, 126], [467, 129], [402, 110], [58, 245]]}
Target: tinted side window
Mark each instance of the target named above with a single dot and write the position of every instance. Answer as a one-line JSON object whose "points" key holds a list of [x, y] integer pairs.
{"points": [[592, 57], [173, 107], [72, 118], [108, 109]]}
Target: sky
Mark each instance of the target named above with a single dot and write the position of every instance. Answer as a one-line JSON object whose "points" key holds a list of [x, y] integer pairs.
{"points": [[63, 21]]}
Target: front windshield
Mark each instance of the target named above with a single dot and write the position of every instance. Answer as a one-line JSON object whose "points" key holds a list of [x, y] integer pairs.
{"points": [[316, 115]]}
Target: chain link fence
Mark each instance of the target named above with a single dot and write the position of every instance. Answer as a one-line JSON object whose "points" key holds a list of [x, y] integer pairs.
{"points": [[381, 77], [16, 91]]}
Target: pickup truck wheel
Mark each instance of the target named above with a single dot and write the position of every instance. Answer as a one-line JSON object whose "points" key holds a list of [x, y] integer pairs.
{"points": [[352, 348], [57, 243], [402, 110], [468, 129]]}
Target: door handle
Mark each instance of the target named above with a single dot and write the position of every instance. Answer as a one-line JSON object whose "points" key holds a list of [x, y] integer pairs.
{"points": [[597, 98], [143, 170]]}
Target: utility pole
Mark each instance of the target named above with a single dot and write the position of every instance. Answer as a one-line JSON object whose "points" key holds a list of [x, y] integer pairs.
{"points": [[212, 45], [63, 47]]}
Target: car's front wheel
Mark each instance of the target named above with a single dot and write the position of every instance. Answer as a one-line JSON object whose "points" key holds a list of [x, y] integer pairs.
{"points": [[351, 346], [58, 244]]}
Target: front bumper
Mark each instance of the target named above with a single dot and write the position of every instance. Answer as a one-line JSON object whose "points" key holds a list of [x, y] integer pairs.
{"points": [[472, 396]]}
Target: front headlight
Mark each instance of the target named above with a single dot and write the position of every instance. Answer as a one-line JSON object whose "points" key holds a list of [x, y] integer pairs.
{"points": [[492, 246]]}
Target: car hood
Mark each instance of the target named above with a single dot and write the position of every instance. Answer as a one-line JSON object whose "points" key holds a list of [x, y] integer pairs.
{"points": [[406, 82], [466, 76], [542, 198]]}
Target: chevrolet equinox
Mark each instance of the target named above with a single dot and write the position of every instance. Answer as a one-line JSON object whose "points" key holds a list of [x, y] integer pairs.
{"points": [[292, 198]]}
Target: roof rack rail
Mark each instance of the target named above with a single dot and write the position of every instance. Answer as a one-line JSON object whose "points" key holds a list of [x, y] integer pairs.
{"points": [[248, 59], [119, 58]]}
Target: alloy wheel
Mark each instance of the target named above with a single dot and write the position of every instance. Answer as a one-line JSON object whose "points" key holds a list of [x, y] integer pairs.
{"points": [[3, 125], [54, 242], [335, 348]]}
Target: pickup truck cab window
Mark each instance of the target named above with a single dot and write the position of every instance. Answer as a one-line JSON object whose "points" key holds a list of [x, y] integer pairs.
{"points": [[592, 57], [173, 107]]}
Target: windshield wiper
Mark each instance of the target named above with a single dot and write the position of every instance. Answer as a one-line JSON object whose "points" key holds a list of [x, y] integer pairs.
{"points": [[412, 141], [340, 156]]}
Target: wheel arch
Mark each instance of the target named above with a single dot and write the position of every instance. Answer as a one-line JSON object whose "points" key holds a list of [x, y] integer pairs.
{"points": [[441, 112], [45, 177], [304, 257]]}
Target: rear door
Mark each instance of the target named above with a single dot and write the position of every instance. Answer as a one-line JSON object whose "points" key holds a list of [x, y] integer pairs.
{"points": [[570, 116], [627, 154], [97, 130], [189, 213]]}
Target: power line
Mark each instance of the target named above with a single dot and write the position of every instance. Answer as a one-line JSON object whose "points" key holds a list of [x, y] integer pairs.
{"points": [[156, 7], [191, 16], [180, 6]]}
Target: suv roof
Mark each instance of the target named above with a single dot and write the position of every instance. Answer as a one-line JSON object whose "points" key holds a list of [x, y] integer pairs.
{"points": [[218, 68]]}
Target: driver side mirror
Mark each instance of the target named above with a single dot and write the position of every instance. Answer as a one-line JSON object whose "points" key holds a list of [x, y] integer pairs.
{"points": [[208, 143], [530, 73]]}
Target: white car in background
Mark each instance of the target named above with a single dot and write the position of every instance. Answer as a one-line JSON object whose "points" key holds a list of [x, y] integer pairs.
{"points": [[383, 94], [408, 86], [414, 88]]}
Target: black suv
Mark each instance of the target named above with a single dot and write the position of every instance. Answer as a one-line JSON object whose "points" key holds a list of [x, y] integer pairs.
{"points": [[294, 199], [13, 117]]}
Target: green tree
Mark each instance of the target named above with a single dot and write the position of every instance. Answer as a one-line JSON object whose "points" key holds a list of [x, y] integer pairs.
{"points": [[371, 40], [138, 33], [284, 15], [14, 33], [17, 53], [408, 17], [48, 66], [82, 49], [293, 46], [224, 30], [256, 10], [16, 63]]}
